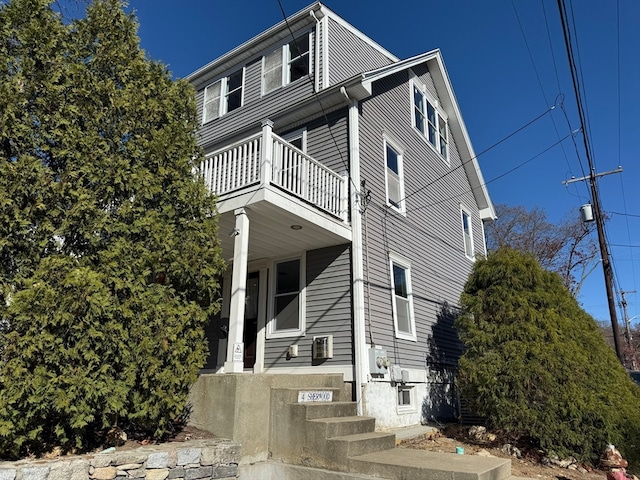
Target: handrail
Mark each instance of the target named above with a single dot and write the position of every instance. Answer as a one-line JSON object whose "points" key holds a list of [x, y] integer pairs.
{"points": [[238, 166]]}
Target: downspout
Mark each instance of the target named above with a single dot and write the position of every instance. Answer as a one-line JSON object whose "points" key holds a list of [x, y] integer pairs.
{"points": [[316, 59], [357, 271]]}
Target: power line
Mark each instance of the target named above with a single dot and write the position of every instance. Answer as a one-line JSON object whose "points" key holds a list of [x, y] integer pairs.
{"points": [[624, 214], [460, 194], [462, 164], [606, 262], [316, 96]]}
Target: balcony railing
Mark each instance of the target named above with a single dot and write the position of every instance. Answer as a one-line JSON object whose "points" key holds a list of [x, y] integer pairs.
{"points": [[248, 162]]}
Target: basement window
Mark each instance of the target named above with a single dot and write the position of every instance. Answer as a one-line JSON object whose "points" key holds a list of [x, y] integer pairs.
{"points": [[405, 399]]}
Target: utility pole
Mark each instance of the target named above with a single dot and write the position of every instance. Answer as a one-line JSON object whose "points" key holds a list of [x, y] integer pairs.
{"points": [[627, 323], [604, 253], [606, 263]]}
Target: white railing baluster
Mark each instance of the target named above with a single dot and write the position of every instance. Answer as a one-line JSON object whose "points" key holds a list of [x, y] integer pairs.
{"points": [[267, 158]]}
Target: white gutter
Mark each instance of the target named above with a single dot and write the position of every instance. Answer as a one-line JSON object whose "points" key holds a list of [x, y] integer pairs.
{"points": [[357, 271]]}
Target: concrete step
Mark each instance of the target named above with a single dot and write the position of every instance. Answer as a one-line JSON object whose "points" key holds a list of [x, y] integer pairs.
{"points": [[409, 464], [280, 471], [328, 410], [340, 426], [317, 381], [347, 446]]}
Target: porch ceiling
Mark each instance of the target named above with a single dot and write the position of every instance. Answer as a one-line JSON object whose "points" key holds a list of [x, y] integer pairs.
{"points": [[271, 235]]}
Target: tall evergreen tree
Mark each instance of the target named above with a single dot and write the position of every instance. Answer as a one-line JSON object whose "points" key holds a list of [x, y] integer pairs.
{"points": [[109, 256], [536, 365]]}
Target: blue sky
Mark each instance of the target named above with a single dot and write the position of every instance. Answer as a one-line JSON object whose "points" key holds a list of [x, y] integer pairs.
{"points": [[508, 65]]}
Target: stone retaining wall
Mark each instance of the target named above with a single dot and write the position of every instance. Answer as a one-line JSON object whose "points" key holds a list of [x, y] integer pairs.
{"points": [[192, 460]]}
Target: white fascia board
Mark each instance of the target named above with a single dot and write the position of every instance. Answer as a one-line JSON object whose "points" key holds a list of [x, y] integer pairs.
{"points": [[373, 75], [459, 131], [487, 214], [343, 23]]}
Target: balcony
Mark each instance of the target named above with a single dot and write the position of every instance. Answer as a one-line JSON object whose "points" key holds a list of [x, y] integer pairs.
{"points": [[266, 159], [295, 202]]}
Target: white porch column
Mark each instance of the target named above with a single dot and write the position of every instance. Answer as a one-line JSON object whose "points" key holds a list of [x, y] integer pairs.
{"points": [[266, 154], [235, 345]]}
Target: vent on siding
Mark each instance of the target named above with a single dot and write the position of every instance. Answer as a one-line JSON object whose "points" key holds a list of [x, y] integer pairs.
{"points": [[323, 347]]}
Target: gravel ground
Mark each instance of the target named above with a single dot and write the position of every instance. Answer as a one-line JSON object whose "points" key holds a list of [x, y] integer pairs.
{"points": [[528, 466]]}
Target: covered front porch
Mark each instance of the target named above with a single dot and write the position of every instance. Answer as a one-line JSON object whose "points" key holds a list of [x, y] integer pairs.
{"points": [[275, 202]]}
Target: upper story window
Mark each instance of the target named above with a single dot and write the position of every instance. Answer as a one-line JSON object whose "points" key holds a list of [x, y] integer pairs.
{"points": [[297, 138], [286, 64], [223, 96], [402, 298], [394, 176], [467, 234], [429, 120]]}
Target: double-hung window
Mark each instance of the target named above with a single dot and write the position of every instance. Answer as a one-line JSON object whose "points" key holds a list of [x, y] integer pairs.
{"points": [[402, 298], [288, 299], [286, 64], [223, 96], [467, 233], [394, 176], [429, 120]]}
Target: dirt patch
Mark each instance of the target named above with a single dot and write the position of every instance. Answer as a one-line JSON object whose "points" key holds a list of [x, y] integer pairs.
{"points": [[529, 465], [117, 444], [183, 435]]}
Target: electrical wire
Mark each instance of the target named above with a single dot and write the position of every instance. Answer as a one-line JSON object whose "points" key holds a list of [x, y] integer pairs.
{"points": [[624, 199], [316, 96], [462, 164], [465, 192]]}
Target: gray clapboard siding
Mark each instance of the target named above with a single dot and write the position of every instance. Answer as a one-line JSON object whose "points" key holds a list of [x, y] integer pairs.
{"points": [[429, 237], [328, 140], [350, 54], [328, 312], [256, 106]]}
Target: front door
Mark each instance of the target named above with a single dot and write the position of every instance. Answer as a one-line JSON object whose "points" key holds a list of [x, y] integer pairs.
{"points": [[251, 319]]}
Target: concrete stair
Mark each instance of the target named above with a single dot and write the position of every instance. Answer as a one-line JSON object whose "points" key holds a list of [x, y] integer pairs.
{"points": [[409, 464], [330, 436]]}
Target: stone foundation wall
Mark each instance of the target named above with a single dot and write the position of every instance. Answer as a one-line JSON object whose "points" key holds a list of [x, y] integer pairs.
{"points": [[193, 460]]}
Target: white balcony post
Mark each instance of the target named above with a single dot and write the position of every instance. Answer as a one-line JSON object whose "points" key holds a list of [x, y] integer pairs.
{"points": [[266, 153], [343, 196], [235, 344]]}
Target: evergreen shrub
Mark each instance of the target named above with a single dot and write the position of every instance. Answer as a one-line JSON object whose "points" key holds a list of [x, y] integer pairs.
{"points": [[109, 257], [537, 366]]}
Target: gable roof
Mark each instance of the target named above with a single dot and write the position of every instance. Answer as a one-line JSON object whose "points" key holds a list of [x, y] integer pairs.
{"points": [[361, 87]]}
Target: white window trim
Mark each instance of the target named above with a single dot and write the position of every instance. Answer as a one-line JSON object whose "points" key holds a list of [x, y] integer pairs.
{"points": [[404, 263], [223, 105], [428, 98], [285, 78], [469, 255], [294, 135], [400, 152], [301, 330], [411, 408]]}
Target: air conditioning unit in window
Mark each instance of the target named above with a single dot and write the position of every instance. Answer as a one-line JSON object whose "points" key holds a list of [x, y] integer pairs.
{"points": [[323, 347]]}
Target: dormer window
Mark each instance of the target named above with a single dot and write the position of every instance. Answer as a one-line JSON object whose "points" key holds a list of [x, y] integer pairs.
{"points": [[429, 120], [286, 64], [223, 96]]}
